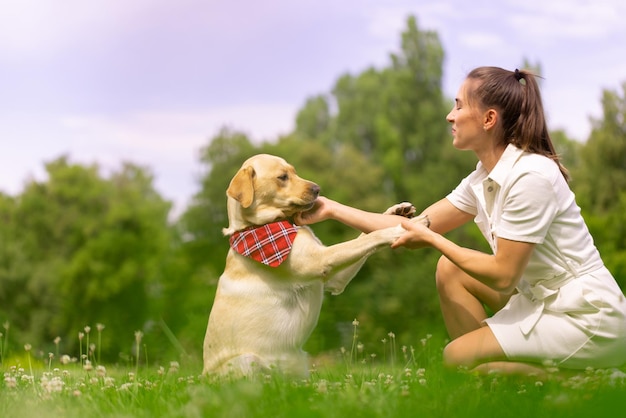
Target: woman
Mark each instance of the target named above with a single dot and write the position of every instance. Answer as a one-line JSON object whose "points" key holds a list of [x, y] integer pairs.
{"points": [[554, 301]]}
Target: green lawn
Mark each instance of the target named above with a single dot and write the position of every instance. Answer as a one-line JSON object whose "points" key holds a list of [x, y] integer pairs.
{"points": [[409, 385]]}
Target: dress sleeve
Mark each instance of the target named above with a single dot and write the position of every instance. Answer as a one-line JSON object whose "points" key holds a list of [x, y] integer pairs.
{"points": [[463, 198], [528, 210]]}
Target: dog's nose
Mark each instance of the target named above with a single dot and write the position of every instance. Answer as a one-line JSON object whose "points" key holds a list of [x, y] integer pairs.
{"points": [[315, 190]]}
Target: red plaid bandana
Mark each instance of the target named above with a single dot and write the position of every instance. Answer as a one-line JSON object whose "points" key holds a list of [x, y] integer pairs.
{"points": [[268, 244]]}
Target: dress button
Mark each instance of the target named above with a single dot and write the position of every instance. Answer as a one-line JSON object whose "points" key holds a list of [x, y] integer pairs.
{"points": [[490, 189]]}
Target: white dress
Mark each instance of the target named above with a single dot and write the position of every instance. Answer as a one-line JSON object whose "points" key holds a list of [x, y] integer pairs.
{"points": [[569, 310]]}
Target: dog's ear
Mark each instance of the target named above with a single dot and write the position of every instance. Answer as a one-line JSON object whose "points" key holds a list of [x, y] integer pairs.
{"points": [[241, 187]]}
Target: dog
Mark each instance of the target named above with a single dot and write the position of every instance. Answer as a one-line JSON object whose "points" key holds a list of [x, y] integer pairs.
{"points": [[268, 301]]}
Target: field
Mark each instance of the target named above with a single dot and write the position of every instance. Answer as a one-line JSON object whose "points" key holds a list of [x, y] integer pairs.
{"points": [[403, 382]]}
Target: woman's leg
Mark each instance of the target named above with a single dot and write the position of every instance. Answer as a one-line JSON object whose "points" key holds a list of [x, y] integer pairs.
{"points": [[480, 351], [474, 345], [462, 299]]}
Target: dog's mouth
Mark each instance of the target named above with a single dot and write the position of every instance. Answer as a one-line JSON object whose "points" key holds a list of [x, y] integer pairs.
{"points": [[302, 207]]}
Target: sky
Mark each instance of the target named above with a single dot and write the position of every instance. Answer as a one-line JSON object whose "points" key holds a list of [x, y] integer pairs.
{"points": [[151, 81]]}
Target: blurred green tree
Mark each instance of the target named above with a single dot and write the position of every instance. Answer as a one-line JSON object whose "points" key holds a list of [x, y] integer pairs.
{"points": [[92, 248]]}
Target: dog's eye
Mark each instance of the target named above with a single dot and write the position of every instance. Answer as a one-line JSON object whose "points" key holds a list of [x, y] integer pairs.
{"points": [[284, 177]]}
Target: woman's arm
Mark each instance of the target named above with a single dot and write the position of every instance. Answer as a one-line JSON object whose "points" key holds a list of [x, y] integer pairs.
{"points": [[501, 271], [443, 216], [356, 218]]}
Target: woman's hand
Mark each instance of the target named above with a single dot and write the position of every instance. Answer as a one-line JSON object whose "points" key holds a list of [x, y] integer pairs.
{"points": [[319, 212], [417, 234]]}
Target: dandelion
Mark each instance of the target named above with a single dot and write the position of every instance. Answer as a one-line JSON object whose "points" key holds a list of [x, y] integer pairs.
{"points": [[57, 340], [174, 366], [55, 384], [65, 359], [355, 335], [322, 386], [10, 381], [28, 347], [80, 343], [101, 371], [138, 336], [99, 328], [392, 338], [87, 366], [87, 331]]}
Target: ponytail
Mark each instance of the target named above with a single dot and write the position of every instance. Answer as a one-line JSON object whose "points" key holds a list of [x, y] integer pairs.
{"points": [[516, 95]]}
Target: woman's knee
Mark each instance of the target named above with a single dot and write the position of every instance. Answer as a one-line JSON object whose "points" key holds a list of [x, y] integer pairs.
{"points": [[454, 355], [445, 273]]}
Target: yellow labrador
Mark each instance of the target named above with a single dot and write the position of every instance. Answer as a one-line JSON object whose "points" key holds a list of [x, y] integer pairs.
{"points": [[269, 296]]}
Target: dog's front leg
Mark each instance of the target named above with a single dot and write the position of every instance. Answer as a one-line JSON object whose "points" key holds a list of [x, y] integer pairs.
{"points": [[337, 283]]}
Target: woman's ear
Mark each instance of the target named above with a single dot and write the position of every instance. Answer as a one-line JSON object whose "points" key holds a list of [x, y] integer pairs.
{"points": [[490, 119]]}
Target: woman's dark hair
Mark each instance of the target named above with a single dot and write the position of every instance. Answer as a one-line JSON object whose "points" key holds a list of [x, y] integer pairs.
{"points": [[516, 97]]}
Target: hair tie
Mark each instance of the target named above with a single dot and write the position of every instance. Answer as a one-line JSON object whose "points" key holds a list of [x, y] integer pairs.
{"points": [[518, 75]]}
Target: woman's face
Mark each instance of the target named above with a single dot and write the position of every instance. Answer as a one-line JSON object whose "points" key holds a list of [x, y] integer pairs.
{"points": [[467, 126]]}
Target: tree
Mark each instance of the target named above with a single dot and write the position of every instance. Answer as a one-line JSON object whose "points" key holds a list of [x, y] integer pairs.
{"points": [[602, 174], [93, 248], [600, 181]]}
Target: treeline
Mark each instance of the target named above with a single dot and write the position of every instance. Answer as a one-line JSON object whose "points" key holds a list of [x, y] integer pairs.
{"points": [[81, 249]]}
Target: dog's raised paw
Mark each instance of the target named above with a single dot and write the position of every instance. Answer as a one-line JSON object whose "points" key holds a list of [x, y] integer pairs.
{"points": [[405, 209]]}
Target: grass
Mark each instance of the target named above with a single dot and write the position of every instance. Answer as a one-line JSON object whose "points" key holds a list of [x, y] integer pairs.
{"points": [[402, 382]]}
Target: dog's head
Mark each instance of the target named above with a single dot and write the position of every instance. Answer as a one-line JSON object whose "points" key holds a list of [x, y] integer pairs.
{"points": [[265, 189]]}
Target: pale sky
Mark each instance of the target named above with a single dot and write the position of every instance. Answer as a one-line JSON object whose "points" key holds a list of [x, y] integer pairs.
{"points": [[151, 81]]}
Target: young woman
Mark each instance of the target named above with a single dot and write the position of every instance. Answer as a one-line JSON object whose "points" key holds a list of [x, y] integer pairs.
{"points": [[555, 303]]}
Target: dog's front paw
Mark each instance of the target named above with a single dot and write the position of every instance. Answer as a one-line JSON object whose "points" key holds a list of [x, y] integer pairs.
{"points": [[422, 219], [389, 235], [405, 209]]}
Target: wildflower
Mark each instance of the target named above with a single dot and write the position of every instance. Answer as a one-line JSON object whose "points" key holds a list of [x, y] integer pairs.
{"points": [[355, 322], [99, 327], [10, 381], [138, 336], [27, 347], [5, 325], [422, 382], [174, 366], [161, 371], [87, 329], [392, 335], [126, 386], [65, 359], [101, 371], [52, 385], [57, 340], [88, 366], [76, 393], [81, 335], [359, 347], [322, 386]]}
